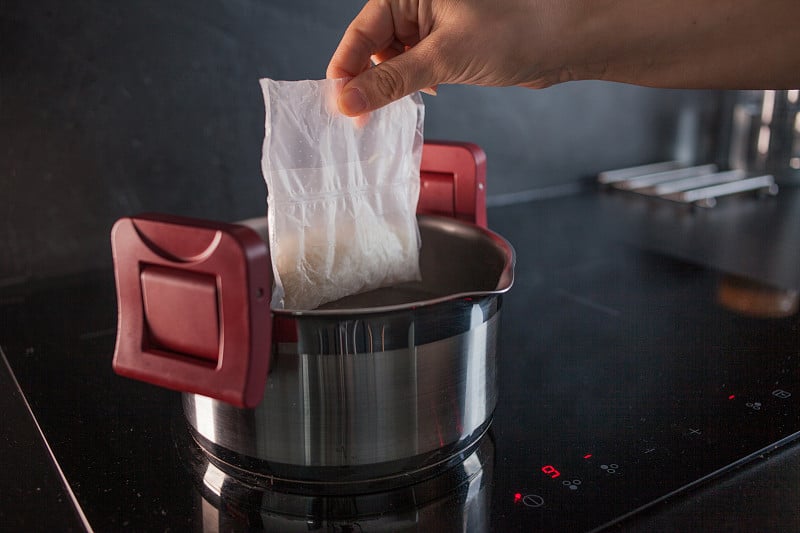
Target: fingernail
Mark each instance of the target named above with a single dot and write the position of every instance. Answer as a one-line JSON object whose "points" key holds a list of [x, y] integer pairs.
{"points": [[352, 101]]}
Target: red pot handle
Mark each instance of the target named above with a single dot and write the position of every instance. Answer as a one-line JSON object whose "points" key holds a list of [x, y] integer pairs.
{"points": [[453, 181], [193, 306]]}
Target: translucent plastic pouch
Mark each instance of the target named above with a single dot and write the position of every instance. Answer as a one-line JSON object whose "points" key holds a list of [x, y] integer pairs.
{"points": [[342, 193]]}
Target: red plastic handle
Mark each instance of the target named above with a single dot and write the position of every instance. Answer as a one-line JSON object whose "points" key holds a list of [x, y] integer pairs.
{"points": [[453, 181], [193, 301]]}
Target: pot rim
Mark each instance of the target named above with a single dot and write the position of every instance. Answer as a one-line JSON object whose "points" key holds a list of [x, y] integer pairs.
{"points": [[504, 283]]}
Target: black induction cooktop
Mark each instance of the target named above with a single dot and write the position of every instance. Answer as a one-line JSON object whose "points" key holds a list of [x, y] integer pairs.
{"points": [[622, 384]]}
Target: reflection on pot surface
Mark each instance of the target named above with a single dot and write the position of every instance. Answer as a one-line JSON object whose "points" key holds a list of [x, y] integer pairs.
{"points": [[454, 498]]}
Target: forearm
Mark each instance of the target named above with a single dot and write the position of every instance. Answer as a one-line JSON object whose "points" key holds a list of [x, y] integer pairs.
{"points": [[722, 44], [725, 44]]}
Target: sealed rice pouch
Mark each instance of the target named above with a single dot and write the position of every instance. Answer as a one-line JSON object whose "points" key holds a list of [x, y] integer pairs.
{"points": [[342, 193]]}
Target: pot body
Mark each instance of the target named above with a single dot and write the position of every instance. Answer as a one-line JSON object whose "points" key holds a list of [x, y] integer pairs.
{"points": [[374, 386], [391, 392]]}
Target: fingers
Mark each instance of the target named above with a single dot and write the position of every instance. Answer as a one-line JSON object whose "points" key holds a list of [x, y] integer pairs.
{"points": [[393, 51], [394, 35], [372, 31], [390, 80]]}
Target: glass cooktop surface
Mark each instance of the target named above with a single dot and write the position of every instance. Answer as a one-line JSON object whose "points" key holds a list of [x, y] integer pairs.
{"points": [[622, 382]]}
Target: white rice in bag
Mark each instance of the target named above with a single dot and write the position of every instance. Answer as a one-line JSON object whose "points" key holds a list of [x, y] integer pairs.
{"points": [[342, 193]]}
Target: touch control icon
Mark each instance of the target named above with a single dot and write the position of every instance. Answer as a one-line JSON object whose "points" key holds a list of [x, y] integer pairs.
{"points": [[782, 394], [532, 500], [610, 469], [573, 484]]}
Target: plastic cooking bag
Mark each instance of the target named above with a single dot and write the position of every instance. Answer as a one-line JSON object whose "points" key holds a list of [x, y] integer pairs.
{"points": [[342, 193]]}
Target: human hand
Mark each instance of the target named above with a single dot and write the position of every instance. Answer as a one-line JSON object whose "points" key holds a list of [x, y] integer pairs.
{"points": [[416, 44], [423, 43]]}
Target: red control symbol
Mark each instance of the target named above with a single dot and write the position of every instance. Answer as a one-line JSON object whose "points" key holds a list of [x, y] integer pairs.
{"points": [[551, 471]]}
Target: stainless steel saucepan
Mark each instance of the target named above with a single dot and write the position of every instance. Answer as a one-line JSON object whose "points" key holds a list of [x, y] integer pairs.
{"points": [[375, 385]]}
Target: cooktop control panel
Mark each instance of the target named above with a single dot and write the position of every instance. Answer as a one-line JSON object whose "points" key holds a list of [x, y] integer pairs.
{"points": [[650, 463]]}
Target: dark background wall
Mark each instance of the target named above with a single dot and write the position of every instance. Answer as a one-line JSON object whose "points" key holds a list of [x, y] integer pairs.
{"points": [[114, 108]]}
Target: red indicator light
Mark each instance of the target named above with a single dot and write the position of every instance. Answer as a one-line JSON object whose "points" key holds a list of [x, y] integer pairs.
{"points": [[551, 471], [587, 456], [732, 396], [517, 497]]}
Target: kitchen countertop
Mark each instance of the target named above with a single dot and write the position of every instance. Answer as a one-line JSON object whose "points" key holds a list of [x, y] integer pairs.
{"points": [[31, 482], [86, 412], [757, 238]]}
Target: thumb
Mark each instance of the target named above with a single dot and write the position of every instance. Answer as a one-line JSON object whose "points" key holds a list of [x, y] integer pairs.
{"points": [[390, 80]]}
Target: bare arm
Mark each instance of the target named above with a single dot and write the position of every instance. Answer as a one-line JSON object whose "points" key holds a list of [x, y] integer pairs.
{"points": [[726, 44]]}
